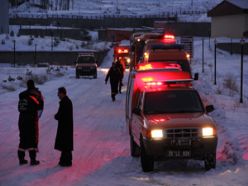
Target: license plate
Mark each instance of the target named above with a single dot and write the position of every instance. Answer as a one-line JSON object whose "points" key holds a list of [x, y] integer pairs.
{"points": [[179, 154], [181, 142]]}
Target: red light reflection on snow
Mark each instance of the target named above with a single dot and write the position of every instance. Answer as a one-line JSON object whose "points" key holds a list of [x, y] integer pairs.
{"points": [[245, 156], [91, 153]]}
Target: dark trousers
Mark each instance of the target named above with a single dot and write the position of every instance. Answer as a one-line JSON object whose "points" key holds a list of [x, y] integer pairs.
{"points": [[21, 155], [66, 157]]}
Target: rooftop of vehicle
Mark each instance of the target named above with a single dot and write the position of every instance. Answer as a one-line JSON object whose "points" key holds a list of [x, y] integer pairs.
{"points": [[161, 80]]}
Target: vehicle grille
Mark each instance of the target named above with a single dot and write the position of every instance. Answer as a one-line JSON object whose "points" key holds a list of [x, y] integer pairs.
{"points": [[182, 133]]}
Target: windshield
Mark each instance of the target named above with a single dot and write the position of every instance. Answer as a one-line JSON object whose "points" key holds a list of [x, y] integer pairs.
{"points": [[175, 101], [85, 59]]}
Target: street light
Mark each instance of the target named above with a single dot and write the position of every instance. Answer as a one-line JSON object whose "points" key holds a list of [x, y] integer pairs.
{"points": [[215, 45], [14, 62], [35, 54], [202, 54], [51, 41], [242, 42]]}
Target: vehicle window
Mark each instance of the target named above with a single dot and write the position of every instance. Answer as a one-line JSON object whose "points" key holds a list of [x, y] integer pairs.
{"points": [[85, 59], [172, 102], [161, 46]]}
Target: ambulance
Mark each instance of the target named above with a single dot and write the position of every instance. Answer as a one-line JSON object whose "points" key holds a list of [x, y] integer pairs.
{"points": [[166, 119]]}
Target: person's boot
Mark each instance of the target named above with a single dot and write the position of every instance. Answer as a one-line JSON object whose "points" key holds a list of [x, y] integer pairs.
{"points": [[113, 97], [21, 156], [32, 155]]}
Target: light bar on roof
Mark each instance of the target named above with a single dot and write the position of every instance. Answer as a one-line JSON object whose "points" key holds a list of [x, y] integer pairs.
{"points": [[169, 36], [122, 51]]}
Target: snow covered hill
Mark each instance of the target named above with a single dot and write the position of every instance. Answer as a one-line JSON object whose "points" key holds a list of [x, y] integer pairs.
{"points": [[120, 7]]}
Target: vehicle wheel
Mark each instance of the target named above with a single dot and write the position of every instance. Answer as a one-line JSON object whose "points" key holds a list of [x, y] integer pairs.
{"points": [[95, 76], [134, 148], [147, 162], [210, 162]]}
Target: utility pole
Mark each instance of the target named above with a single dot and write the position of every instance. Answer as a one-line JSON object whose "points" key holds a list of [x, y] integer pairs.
{"points": [[215, 46], [242, 42], [51, 41], [14, 62], [35, 54], [203, 54]]}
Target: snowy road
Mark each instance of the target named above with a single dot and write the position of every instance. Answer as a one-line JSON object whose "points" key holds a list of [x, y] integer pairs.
{"points": [[101, 142]]}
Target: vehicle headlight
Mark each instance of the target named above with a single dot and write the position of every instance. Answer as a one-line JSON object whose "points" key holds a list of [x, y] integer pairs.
{"points": [[207, 132], [157, 134], [128, 60]]}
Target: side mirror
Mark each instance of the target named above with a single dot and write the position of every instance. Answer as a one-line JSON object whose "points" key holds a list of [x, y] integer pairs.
{"points": [[137, 111], [209, 108], [196, 76]]}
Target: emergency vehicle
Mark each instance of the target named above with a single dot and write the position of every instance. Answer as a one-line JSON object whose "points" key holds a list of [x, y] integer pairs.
{"points": [[167, 39], [86, 65], [164, 53], [122, 53], [139, 43], [166, 119]]}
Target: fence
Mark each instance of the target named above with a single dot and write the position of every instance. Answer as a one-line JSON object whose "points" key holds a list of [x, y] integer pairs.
{"points": [[92, 22], [226, 70], [58, 57]]}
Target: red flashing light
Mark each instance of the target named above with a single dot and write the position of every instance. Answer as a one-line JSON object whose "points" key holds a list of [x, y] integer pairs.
{"points": [[147, 79], [154, 86], [162, 80], [145, 67], [154, 83], [169, 38], [122, 51], [159, 120], [157, 65]]}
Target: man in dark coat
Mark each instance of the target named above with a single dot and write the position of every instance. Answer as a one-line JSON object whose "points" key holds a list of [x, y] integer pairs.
{"points": [[114, 74], [30, 106], [64, 137], [122, 69]]}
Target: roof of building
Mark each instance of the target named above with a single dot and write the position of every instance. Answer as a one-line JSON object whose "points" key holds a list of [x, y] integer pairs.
{"points": [[240, 3], [229, 7]]}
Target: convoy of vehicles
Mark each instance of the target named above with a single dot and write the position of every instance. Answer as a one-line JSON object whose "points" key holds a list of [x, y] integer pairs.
{"points": [[86, 65], [165, 116]]}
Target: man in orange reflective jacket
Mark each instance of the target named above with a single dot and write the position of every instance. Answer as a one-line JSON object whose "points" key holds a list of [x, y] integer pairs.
{"points": [[30, 106]]}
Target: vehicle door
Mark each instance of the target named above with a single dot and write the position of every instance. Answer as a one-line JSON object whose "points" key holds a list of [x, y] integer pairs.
{"points": [[137, 118]]}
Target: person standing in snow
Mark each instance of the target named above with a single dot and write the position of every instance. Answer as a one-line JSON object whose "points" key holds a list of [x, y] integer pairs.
{"points": [[64, 136], [114, 74], [30, 106], [121, 67]]}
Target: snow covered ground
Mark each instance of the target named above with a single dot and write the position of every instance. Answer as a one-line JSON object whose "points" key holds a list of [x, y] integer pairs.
{"points": [[101, 156]]}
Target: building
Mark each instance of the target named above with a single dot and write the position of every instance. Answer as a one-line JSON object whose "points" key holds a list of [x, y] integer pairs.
{"points": [[229, 19], [4, 16]]}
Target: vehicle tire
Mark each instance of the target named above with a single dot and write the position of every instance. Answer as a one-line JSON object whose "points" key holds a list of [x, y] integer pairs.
{"points": [[134, 148], [210, 162], [147, 162], [95, 76]]}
